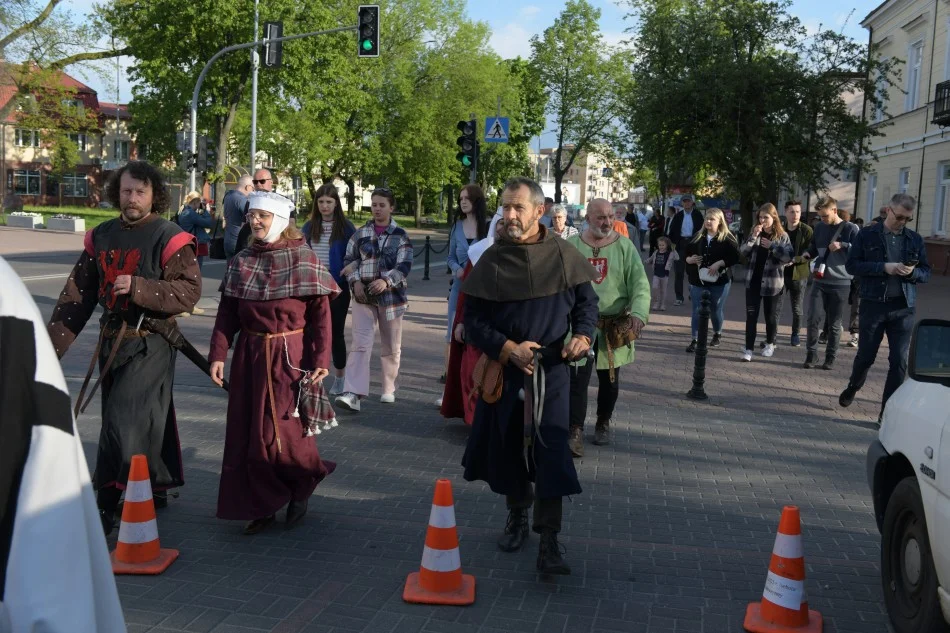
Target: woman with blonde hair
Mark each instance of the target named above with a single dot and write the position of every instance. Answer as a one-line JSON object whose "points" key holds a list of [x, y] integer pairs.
{"points": [[276, 298], [710, 255], [769, 250]]}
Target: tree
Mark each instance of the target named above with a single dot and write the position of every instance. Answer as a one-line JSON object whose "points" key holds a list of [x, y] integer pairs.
{"points": [[581, 75], [758, 101]]}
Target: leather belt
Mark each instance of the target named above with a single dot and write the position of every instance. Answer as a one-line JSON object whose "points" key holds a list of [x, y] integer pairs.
{"points": [[268, 337]]}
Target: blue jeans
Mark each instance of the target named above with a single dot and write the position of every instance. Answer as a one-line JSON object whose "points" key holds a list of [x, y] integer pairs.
{"points": [[876, 319], [717, 296]]}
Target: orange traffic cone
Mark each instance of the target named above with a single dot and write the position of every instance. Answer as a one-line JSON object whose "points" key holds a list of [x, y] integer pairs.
{"points": [[440, 579], [784, 606], [138, 550]]}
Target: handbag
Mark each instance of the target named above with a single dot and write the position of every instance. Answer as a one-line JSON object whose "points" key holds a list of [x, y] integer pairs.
{"points": [[488, 378], [708, 277], [619, 332]]}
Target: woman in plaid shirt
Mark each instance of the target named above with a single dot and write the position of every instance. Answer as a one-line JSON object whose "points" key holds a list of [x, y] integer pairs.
{"points": [[377, 262]]}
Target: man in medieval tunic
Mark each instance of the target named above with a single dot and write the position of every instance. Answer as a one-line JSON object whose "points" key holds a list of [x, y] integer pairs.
{"points": [[529, 306], [141, 270]]}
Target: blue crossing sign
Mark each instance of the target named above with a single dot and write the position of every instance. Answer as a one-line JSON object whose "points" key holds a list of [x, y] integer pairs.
{"points": [[496, 129]]}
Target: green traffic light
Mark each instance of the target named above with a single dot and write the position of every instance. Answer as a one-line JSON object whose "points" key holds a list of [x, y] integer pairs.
{"points": [[466, 161], [367, 45]]}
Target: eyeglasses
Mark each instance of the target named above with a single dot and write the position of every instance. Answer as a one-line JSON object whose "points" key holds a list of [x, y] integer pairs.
{"points": [[901, 218], [258, 215], [261, 181]]}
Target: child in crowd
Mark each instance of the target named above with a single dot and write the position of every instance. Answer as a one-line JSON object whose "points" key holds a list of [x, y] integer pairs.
{"points": [[662, 260]]}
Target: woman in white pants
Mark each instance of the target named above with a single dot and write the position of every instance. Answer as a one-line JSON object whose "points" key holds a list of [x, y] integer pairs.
{"points": [[377, 263]]}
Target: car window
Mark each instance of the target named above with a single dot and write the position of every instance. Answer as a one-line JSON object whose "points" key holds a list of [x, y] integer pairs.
{"points": [[932, 351]]}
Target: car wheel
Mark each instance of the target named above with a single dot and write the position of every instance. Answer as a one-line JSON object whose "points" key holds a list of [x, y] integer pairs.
{"points": [[907, 568]]}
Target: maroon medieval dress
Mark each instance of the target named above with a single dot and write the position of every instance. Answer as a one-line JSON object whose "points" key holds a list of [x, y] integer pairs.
{"points": [[459, 398], [276, 300]]}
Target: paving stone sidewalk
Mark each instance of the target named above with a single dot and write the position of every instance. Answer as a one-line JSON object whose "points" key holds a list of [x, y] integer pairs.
{"points": [[673, 531]]}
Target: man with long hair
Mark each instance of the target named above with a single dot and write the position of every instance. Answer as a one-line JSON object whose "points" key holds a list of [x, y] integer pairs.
{"points": [[142, 270]]}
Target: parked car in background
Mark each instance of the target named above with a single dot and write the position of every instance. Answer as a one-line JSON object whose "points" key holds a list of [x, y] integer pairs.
{"points": [[909, 475]]}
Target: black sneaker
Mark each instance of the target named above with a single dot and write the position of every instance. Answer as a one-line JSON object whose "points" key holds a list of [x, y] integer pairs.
{"points": [[795, 341], [847, 396], [550, 555], [716, 340], [516, 531], [107, 517], [692, 347], [811, 359], [829, 364]]}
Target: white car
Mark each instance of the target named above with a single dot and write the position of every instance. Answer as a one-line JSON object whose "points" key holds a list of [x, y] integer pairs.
{"points": [[909, 475]]}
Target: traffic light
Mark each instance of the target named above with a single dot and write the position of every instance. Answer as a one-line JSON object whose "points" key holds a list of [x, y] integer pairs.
{"points": [[191, 161], [211, 153], [273, 51], [467, 142], [368, 22]]}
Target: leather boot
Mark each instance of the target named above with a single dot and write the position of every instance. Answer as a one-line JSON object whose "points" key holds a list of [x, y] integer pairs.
{"points": [[550, 558], [576, 441], [602, 432], [516, 530], [296, 510], [107, 517]]}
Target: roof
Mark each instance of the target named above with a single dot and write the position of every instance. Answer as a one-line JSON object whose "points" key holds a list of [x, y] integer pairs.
{"points": [[108, 110], [874, 11]]}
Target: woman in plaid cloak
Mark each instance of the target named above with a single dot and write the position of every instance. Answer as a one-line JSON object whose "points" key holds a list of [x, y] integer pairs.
{"points": [[276, 298]]}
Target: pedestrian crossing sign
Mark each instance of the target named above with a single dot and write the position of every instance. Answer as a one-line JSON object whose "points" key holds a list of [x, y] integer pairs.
{"points": [[496, 129]]}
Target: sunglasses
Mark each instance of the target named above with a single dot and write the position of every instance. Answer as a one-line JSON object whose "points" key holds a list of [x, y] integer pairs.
{"points": [[261, 181]]}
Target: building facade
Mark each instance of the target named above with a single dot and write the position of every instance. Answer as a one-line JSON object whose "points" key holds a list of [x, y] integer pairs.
{"points": [[591, 176], [913, 155], [25, 156]]}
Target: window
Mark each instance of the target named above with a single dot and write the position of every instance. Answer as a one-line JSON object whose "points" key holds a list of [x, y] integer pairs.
{"points": [[23, 137], [72, 106], [943, 200], [75, 186], [25, 182], [880, 89], [870, 211], [120, 150], [903, 180], [80, 140], [915, 60]]}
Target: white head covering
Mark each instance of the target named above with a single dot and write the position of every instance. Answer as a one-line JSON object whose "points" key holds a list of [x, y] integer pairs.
{"points": [[272, 203], [476, 250]]}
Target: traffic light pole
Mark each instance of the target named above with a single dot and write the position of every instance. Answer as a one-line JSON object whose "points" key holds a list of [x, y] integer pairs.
{"points": [[255, 64], [193, 133], [473, 175]]}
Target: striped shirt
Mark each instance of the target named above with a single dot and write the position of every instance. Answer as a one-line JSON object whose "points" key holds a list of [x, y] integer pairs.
{"points": [[322, 248]]}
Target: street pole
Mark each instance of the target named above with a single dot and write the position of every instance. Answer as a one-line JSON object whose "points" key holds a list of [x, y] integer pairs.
{"points": [[193, 133], [254, 65], [473, 174]]}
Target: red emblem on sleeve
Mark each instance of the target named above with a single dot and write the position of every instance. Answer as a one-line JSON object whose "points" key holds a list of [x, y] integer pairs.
{"points": [[600, 264], [114, 263]]}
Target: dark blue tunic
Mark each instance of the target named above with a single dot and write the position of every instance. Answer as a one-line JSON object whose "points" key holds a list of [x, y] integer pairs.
{"points": [[495, 452]]}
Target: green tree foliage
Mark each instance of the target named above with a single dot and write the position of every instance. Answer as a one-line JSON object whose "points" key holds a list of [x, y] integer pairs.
{"points": [[581, 76], [740, 88]]}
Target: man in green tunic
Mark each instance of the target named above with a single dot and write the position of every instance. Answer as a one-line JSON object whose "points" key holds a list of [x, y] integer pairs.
{"points": [[624, 292]]}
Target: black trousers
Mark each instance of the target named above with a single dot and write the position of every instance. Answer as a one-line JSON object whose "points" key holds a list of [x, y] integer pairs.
{"points": [[607, 392], [679, 270], [547, 512], [338, 310], [753, 301]]}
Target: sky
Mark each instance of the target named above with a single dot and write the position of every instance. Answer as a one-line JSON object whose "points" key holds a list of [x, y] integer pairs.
{"points": [[513, 22]]}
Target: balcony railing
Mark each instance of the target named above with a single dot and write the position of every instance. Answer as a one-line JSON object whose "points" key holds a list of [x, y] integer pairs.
{"points": [[942, 104]]}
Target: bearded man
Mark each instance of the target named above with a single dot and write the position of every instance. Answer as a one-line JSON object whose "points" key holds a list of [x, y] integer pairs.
{"points": [[624, 298], [142, 270], [529, 307]]}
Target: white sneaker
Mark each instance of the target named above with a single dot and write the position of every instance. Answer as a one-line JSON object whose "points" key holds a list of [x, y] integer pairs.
{"points": [[337, 387], [678, 302], [768, 350], [747, 355], [438, 401], [387, 398], [349, 401]]}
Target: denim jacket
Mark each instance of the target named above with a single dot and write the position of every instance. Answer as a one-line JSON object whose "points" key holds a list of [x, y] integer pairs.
{"points": [[868, 255]]}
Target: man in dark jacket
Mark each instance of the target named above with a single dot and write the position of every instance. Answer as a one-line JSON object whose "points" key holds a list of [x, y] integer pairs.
{"points": [[682, 227], [796, 274], [890, 260]]}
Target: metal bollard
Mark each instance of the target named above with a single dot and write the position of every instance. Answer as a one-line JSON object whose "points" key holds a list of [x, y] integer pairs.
{"points": [[428, 246], [698, 392]]}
